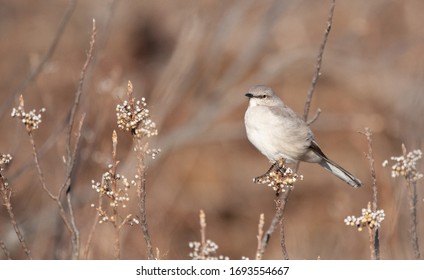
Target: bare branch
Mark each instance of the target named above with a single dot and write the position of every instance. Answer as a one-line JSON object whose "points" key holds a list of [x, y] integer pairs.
{"points": [[412, 198], [411, 187], [202, 218], [318, 63], [259, 252], [141, 190], [373, 233], [71, 154], [70, 161], [278, 217]]}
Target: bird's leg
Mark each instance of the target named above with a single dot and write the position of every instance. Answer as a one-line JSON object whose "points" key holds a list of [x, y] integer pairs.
{"points": [[260, 179], [279, 164], [276, 166]]}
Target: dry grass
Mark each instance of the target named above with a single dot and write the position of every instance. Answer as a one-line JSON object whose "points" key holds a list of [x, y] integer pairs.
{"points": [[192, 61]]}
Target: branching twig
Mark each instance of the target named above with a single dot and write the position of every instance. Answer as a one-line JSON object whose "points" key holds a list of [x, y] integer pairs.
{"points": [[44, 185], [32, 121], [278, 217], [133, 116], [71, 154]]}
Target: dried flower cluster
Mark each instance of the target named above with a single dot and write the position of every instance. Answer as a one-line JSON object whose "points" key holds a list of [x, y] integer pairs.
{"points": [[206, 249], [115, 188], [133, 115], [5, 159], [406, 166], [31, 119], [279, 178], [368, 219], [206, 252]]}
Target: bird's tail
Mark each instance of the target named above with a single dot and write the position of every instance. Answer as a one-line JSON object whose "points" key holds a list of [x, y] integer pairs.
{"points": [[340, 172]]}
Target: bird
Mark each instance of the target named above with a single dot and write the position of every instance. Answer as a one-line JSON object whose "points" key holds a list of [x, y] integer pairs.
{"points": [[280, 134]]}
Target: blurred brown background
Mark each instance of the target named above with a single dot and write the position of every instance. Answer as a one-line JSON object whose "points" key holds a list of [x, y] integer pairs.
{"points": [[193, 61]]}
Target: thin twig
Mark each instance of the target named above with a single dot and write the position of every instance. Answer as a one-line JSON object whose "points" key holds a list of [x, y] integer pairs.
{"points": [[93, 229], [75, 232], [140, 149], [5, 194], [71, 154], [370, 157], [412, 198], [30, 126], [202, 218], [411, 186], [141, 190], [117, 246], [278, 217], [70, 161], [259, 252], [37, 70], [281, 206], [374, 238], [318, 63], [44, 185]]}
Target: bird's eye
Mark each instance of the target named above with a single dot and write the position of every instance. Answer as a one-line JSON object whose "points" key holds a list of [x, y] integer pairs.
{"points": [[263, 96]]}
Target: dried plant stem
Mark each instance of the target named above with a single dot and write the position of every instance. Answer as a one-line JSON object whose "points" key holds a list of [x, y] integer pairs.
{"points": [[318, 63], [281, 206], [282, 201], [43, 183], [202, 218], [117, 244], [412, 198], [71, 154], [5, 194], [115, 216], [374, 238], [259, 252], [75, 230], [411, 187], [92, 230], [141, 190]]}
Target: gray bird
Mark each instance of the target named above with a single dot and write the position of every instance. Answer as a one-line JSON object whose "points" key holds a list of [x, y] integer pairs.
{"points": [[278, 133]]}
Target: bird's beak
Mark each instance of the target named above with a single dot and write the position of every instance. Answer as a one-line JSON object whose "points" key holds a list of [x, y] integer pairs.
{"points": [[249, 95]]}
